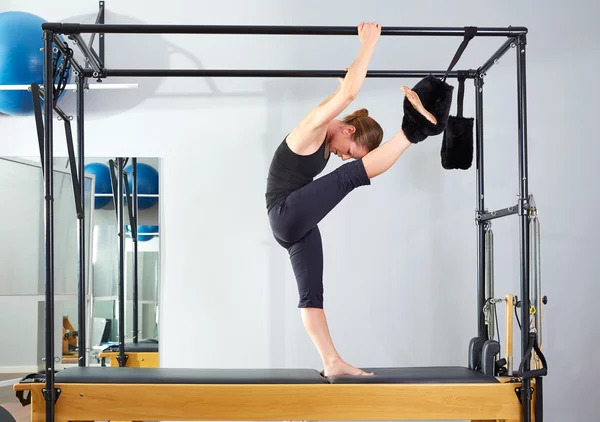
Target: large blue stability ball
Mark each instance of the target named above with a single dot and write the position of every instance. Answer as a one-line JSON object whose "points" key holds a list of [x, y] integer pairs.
{"points": [[102, 183], [143, 232], [21, 59], [147, 181]]}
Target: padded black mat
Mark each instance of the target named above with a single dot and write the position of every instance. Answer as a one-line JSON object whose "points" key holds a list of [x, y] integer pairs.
{"points": [[409, 375], [416, 375], [145, 346], [117, 375]]}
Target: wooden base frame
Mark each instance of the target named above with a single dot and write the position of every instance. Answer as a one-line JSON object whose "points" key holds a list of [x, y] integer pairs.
{"points": [[278, 402], [134, 359]]}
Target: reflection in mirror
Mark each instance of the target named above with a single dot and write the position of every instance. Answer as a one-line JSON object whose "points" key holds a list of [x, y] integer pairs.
{"points": [[141, 259], [22, 286]]}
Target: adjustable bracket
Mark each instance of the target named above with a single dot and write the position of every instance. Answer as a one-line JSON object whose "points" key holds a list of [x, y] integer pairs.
{"points": [[122, 362], [47, 395], [527, 393]]}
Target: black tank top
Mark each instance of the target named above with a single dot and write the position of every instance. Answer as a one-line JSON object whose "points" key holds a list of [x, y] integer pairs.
{"points": [[290, 171]]}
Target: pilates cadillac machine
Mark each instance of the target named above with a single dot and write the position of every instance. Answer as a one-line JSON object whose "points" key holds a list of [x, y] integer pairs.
{"points": [[486, 389]]}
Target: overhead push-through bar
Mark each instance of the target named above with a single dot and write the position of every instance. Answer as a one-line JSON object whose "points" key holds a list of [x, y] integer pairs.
{"points": [[265, 73], [80, 28]]}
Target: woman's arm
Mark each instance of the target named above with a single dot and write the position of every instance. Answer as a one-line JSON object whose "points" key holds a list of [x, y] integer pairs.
{"points": [[382, 158], [311, 129]]}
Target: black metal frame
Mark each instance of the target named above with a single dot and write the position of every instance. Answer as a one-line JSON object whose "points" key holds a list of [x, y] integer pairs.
{"points": [[515, 37]]}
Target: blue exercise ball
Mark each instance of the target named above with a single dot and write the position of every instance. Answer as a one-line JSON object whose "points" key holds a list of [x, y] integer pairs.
{"points": [[102, 183], [21, 59], [147, 181], [142, 232]]}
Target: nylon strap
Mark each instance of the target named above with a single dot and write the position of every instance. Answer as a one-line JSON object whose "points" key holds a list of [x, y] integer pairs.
{"points": [[470, 32]]}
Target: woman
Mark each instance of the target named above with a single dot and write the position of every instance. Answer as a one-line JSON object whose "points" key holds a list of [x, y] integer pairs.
{"points": [[296, 203]]}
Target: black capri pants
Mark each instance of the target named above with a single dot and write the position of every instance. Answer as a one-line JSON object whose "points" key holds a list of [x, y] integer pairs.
{"points": [[295, 226]]}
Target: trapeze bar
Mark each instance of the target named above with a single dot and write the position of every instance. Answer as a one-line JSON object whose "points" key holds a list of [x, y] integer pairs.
{"points": [[72, 86], [77, 28], [231, 73]]}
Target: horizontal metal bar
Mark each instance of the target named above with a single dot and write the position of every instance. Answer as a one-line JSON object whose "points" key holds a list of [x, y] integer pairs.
{"points": [[141, 195], [231, 73], [497, 55], [498, 213], [77, 28], [71, 86]]}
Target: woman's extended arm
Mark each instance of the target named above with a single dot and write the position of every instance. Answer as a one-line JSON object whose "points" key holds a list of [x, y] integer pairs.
{"points": [[310, 130], [382, 158]]}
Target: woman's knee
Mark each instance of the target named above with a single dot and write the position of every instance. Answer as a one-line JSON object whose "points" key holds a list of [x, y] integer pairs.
{"points": [[284, 228], [353, 175]]}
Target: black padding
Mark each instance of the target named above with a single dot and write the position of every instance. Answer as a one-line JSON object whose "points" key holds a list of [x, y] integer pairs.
{"points": [[491, 348], [475, 346], [125, 375], [416, 375], [144, 346], [436, 97], [457, 143]]}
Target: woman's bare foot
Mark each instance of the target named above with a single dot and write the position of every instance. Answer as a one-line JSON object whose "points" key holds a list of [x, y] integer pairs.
{"points": [[416, 102], [340, 367]]}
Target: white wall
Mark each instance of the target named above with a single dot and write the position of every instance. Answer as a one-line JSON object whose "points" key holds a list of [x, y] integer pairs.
{"points": [[400, 255]]}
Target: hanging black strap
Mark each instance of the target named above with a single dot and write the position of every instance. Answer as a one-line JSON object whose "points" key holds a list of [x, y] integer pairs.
{"points": [[39, 120], [462, 77], [536, 374], [470, 32]]}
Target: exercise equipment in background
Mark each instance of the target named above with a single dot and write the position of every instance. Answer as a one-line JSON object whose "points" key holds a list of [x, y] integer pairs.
{"points": [[143, 354], [102, 185], [21, 60], [69, 343]]}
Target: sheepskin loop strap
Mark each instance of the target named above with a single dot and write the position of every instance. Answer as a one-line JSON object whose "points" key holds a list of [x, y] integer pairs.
{"points": [[457, 142], [470, 32]]}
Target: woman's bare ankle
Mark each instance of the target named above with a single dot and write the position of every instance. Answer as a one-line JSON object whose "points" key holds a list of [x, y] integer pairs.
{"points": [[332, 360]]}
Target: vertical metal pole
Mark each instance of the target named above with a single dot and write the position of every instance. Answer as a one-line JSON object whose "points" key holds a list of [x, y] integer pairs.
{"points": [[82, 336], [101, 35], [134, 223], [489, 278], [49, 393], [121, 262], [481, 327], [523, 217]]}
